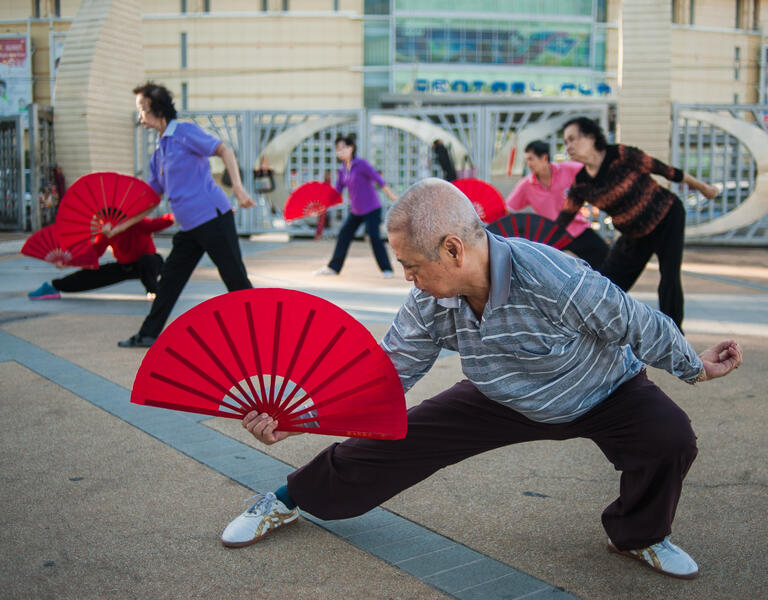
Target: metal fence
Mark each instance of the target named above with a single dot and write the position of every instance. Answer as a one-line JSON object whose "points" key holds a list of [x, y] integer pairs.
{"points": [[12, 188], [42, 165], [28, 194], [722, 144], [300, 146]]}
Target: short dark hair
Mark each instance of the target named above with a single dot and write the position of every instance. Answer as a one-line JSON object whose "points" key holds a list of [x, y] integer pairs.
{"points": [[539, 148], [160, 100], [591, 128], [349, 140]]}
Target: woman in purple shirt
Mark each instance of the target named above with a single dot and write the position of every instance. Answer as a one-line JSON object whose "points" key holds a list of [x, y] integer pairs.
{"points": [[179, 168], [359, 177]]}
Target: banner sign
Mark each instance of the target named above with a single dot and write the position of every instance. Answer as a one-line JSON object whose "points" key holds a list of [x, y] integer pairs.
{"points": [[15, 75]]}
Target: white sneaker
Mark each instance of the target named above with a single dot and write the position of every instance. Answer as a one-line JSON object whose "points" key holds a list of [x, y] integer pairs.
{"points": [[663, 557], [387, 274], [265, 515], [325, 271]]}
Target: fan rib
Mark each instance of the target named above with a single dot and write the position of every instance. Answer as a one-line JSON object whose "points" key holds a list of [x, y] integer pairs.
{"points": [[188, 388], [275, 353], [321, 355], [103, 192], [535, 237], [193, 409], [125, 195], [256, 356], [502, 230], [345, 394], [251, 401], [197, 370], [313, 393], [549, 235], [212, 355], [299, 346]]}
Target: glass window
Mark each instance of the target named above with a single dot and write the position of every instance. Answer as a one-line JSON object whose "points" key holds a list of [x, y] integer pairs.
{"points": [[376, 7], [376, 42], [183, 44], [531, 7], [375, 83], [529, 43]]}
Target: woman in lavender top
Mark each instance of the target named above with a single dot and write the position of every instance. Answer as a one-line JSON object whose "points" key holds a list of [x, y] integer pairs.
{"points": [[179, 169], [359, 177]]}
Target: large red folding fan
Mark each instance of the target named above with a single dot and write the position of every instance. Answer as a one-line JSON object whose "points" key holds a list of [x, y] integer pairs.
{"points": [[99, 198], [532, 227], [310, 199], [45, 245], [487, 200], [301, 359]]}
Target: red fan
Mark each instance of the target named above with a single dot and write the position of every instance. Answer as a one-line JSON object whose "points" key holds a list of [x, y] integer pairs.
{"points": [[97, 199], [486, 199], [532, 227], [45, 245], [310, 199], [299, 358]]}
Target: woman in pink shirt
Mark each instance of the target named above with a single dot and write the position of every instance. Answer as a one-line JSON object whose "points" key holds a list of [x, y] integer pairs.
{"points": [[545, 190]]}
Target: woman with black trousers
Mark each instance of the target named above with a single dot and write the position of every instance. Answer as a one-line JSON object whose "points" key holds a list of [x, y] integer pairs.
{"points": [[179, 168], [651, 219]]}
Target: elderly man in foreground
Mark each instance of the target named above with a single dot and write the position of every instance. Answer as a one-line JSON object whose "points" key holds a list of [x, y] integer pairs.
{"points": [[551, 350]]}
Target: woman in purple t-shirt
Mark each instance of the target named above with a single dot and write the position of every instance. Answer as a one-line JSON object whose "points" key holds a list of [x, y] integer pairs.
{"points": [[359, 177], [179, 168]]}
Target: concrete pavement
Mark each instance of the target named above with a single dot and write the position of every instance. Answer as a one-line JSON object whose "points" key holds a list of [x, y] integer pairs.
{"points": [[107, 499]]}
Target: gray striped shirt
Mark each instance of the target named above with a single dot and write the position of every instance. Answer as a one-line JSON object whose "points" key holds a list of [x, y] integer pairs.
{"points": [[555, 339]]}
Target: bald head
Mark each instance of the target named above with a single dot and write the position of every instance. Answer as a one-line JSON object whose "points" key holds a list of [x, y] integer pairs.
{"points": [[429, 211]]}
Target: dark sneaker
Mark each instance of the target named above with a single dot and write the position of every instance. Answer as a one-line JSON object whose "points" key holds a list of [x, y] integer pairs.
{"points": [[45, 292], [137, 341]]}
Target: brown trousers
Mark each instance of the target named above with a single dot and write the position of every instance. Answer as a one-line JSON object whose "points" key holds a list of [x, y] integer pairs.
{"points": [[639, 429]]}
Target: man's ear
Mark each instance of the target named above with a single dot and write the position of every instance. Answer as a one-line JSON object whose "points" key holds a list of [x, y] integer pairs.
{"points": [[454, 247]]}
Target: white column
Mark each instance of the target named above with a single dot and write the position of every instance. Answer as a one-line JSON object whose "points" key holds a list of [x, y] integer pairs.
{"points": [[645, 76]]}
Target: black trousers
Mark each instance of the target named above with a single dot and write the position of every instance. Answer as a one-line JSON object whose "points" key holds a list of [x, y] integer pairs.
{"points": [[372, 222], [639, 429], [628, 257], [590, 247], [147, 269], [217, 238]]}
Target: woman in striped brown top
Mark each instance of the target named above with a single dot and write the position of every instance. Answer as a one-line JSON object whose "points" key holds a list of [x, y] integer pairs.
{"points": [[617, 179]]}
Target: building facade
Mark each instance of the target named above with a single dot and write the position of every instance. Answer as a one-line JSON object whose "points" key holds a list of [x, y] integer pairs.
{"points": [[341, 54]]}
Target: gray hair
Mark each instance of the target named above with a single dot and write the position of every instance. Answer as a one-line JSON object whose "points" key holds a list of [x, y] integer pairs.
{"points": [[431, 210]]}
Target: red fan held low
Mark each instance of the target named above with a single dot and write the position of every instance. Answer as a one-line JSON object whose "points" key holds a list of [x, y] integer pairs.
{"points": [[45, 245], [99, 198], [310, 199], [297, 357], [487, 200], [532, 227]]}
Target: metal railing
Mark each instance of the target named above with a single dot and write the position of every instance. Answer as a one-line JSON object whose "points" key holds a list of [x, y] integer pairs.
{"points": [[399, 149], [12, 188], [703, 143]]}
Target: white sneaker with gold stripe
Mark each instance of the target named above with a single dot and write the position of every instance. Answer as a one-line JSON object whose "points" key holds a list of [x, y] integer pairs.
{"points": [[264, 516], [663, 557]]}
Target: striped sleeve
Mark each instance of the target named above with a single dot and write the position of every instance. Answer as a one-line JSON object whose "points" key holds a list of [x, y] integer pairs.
{"points": [[649, 164], [592, 304], [409, 344]]}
